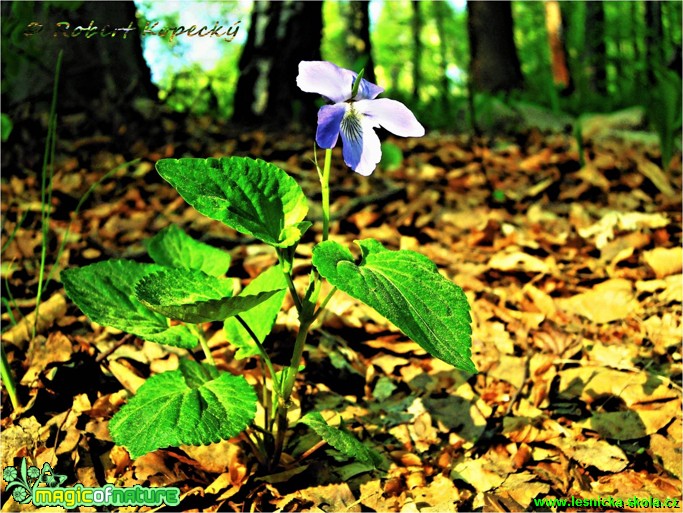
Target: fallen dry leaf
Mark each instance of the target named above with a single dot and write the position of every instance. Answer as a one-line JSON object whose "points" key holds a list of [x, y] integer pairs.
{"points": [[609, 301], [597, 453], [334, 497], [519, 261], [51, 310], [632, 424], [664, 261], [668, 452], [57, 348]]}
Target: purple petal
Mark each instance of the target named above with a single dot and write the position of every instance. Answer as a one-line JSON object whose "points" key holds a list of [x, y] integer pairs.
{"points": [[362, 149], [326, 79], [329, 119], [392, 115]]}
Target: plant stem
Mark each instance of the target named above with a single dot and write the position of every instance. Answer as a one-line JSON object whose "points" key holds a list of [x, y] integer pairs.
{"points": [[199, 332], [264, 356], [307, 314], [325, 187], [324, 303], [8, 380], [287, 387], [14, 231], [292, 288], [46, 186], [256, 448]]}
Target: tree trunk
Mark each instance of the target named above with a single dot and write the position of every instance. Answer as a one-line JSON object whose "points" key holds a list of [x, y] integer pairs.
{"points": [[494, 64], [636, 38], [653, 38], [359, 45], [281, 35], [109, 70], [558, 52], [417, 48], [596, 56], [440, 13]]}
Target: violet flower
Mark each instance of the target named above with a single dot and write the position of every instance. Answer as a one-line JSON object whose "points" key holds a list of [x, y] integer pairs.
{"points": [[354, 117]]}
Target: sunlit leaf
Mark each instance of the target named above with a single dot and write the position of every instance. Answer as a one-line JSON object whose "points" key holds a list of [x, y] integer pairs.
{"points": [[105, 293], [172, 247], [193, 405], [251, 196], [406, 288], [194, 296]]}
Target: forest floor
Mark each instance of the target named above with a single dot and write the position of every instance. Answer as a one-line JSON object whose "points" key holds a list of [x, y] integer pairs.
{"points": [[573, 276]]}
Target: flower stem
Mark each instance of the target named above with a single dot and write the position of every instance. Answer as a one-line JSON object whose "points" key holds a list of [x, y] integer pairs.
{"points": [[307, 314], [325, 185]]}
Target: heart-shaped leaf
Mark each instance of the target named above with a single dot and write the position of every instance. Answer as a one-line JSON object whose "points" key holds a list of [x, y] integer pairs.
{"points": [[193, 296], [406, 288], [251, 196], [172, 247], [105, 293], [194, 405]]}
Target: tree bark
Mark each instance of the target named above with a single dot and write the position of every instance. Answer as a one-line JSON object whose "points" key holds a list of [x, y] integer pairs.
{"points": [[653, 38], [494, 65], [359, 44], [596, 56], [417, 48], [109, 69], [440, 12], [558, 52], [281, 35]]}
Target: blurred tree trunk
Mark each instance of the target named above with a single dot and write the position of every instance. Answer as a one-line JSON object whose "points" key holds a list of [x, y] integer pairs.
{"points": [[440, 13], [596, 56], [558, 51], [281, 35], [636, 38], [108, 70], [417, 48], [494, 65], [653, 38], [359, 45]]}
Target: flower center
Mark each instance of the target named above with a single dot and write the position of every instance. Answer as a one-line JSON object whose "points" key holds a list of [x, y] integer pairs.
{"points": [[350, 123]]}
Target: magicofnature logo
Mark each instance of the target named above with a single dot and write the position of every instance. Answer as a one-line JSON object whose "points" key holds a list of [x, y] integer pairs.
{"points": [[43, 487]]}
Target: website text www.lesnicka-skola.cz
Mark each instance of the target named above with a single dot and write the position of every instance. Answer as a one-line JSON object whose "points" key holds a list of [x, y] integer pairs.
{"points": [[635, 502]]}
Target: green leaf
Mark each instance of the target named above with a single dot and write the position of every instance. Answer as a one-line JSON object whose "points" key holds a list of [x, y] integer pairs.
{"points": [[6, 126], [261, 318], [172, 247], [189, 406], [392, 156], [193, 296], [383, 388], [356, 83], [406, 288], [105, 293], [341, 440], [251, 196]]}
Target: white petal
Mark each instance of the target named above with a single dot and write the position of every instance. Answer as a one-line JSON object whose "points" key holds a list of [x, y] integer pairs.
{"points": [[325, 78], [392, 115]]}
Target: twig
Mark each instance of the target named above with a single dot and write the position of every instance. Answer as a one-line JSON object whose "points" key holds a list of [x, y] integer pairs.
{"points": [[106, 354], [310, 451]]}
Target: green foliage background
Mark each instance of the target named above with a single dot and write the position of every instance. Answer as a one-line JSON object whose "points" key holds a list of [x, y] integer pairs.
{"points": [[201, 78]]}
